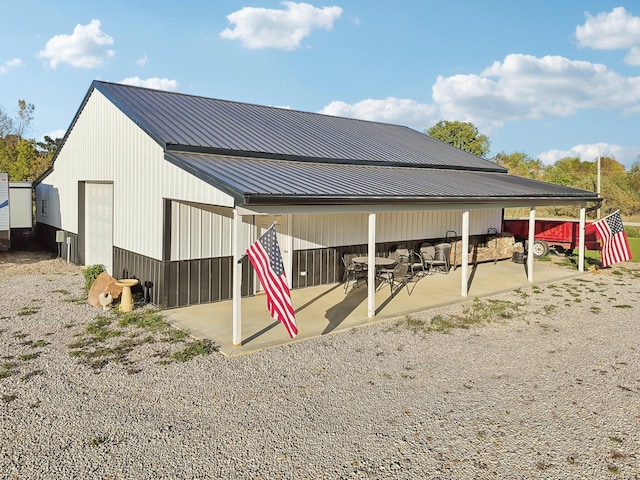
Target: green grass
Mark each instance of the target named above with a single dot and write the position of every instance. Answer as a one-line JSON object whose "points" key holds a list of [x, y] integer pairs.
{"points": [[473, 313], [634, 244], [112, 338]]}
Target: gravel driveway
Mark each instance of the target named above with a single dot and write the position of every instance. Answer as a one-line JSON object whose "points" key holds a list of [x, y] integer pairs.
{"points": [[542, 382]]}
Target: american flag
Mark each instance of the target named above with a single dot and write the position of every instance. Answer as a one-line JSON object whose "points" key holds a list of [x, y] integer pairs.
{"points": [[615, 246], [266, 259]]}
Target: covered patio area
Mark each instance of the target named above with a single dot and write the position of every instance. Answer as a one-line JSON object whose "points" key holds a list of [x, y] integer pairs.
{"points": [[326, 309]]}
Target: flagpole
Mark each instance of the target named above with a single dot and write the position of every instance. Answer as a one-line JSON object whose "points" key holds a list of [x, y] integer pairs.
{"points": [[598, 191]]}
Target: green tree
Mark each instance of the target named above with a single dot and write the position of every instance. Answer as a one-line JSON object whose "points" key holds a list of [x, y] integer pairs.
{"points": [[462, 135], [6, 124], [521, 164], [21, 158], [25, 117]]}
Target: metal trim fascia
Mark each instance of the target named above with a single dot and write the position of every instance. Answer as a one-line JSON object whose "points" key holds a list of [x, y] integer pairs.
{"points": [[323, 160]]}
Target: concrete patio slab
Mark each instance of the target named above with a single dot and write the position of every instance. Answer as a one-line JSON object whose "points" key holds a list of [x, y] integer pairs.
{"points": [[327, 309]]}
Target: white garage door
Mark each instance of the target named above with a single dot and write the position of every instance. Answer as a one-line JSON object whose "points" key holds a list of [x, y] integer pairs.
{"points": [[98, 246]]}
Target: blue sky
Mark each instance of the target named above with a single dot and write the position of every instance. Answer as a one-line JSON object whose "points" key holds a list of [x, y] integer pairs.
{"points": [[547, 78]]}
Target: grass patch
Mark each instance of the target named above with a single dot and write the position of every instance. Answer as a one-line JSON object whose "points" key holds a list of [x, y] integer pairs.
{"points": [[474, 313], [97, 440], [415, 324], [24, 311], [29, 356], [199, 347], [151, 321], [8, 398], [7, 369], [90, 274], [634, 245], [39, 344], [441, 324], [115, 337]]}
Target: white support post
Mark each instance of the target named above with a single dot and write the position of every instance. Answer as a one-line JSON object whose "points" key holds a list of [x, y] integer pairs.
{"points": [[237, 278], [583, 216], [288, 268], [464, 287], [530, 241], [371, 267]]}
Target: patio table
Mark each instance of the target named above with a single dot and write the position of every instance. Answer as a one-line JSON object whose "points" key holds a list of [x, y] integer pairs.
{"points": [[379, 261]]}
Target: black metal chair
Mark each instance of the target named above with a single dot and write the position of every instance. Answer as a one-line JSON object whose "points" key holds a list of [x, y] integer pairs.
{"points": [[416, 266], [434, 259], [396, 275], [352, 271]]}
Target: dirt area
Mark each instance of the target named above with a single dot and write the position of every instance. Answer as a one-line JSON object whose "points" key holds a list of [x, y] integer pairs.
{"points": [[16, 262]]}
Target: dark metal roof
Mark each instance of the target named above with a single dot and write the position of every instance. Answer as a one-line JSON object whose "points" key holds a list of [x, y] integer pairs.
{"points": [[269, 181], [274, 156], [186, 122]]}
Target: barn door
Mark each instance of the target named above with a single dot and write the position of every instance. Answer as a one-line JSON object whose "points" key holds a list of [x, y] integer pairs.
{"points": [[98, 225]]}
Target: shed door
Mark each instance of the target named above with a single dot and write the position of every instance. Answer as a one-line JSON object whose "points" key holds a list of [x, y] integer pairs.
{"points": [[98, 246]]}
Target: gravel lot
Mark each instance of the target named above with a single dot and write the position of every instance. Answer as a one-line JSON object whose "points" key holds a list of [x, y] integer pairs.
{"points": [[542, 382]]}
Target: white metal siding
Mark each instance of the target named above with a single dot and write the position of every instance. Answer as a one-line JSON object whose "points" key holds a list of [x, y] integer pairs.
{"points": [[105, 146], [203, 231], [335, 229]]}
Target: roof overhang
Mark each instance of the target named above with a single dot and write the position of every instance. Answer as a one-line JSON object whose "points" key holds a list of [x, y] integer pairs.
{"points": [[258, 182]]}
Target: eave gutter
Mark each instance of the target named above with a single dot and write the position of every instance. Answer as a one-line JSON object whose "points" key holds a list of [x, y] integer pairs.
{"points": [[539, 200]]}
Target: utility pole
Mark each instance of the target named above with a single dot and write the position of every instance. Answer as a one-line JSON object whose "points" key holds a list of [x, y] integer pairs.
{"points": [[598, 191]]}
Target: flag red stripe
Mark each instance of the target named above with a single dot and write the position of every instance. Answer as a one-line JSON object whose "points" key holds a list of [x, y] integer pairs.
{"points": [[275, 287], [267, 280], [615, 246]]}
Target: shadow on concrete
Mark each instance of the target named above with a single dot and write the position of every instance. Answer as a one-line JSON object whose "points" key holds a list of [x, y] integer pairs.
{"points": [[341, 310]]}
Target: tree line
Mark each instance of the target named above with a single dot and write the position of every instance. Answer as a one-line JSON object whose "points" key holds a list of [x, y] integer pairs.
{"points": [[619, 188], [26, 159], [23, 158]]}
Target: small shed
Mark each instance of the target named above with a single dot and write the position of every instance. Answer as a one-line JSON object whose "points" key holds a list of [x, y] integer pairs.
{"points": [[16, 210], [172, 188], [5, 232]]}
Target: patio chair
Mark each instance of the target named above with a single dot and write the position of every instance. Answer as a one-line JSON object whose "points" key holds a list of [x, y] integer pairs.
{"points": [[433, 261], [412, 258], [398, 275], [352, 271]]}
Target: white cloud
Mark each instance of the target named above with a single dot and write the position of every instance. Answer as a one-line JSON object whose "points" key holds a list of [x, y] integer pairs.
{"points": [[526, 87], [590, 152], [54, 134], [142, 61], [609, 31], [401, 111], [10, 65], [284, 29], [86, 47], [522, 87], [615, 30], [154, 82]]}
